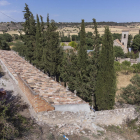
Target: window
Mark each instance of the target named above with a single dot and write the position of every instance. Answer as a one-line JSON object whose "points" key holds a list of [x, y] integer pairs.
{"points": [[122, 43], [124, 35]]}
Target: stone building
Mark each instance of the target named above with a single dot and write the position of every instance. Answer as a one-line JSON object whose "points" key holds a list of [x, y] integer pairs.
{"points": [[123, 42]]}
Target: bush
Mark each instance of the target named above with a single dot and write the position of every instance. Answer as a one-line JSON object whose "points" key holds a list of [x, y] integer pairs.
{"points": [[4, 45], [131, 94], [117, 66], [126, 67], [13, 125], [132, 55], [73, 44], [136, 67], [126, 63], [15, 36], [7, 37], [118, 51], [19, 47]]}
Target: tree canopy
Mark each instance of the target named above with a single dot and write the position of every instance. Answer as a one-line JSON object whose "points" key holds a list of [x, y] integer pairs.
{"points": [[118, 51]]}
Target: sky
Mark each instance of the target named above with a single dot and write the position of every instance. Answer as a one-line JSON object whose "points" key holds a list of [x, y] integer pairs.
{"points": [[72, 10]]}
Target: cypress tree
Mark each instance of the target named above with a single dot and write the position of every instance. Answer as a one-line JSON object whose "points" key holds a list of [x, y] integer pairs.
{"points": [[31, 42], [26, 27], [93, 65], [81, 76], [52, 52], [38, 54], [68, 69], [106, 79], [27, 14], [42, 43]]}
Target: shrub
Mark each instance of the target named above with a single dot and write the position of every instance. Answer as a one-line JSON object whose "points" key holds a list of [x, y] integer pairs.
{"points": [[4, 45], [117, 66], [7, 37], [136, 67], [126, 63], [118, 51], [15, 36], [132, 55], [12, 125], [19, 47], [131, 93], [126, 67]]}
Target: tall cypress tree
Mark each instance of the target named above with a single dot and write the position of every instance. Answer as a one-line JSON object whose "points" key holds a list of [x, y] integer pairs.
{"points": [[26, 27], [106, 79], [31, 42], [93, 65], [68, 69], [52, 53], [81, 77], [27, 14], [37, 53]]}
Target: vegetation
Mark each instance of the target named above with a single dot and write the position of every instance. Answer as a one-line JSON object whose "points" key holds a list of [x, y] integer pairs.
{"points": [[12, 124], [4, 45], [116, 36], [131, 94], [131, 55], [136, 42], [106, 79], [6, 37], [73, 44], [118, 52]]}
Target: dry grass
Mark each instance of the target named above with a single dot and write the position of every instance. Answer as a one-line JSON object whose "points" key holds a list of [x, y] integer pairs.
{"points": [[133, 30], [122, 81], [13, 32]]}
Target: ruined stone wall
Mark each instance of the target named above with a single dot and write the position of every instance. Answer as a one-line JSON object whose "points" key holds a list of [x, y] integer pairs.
{"points": [[76, 122], [115, 117], [35, 100]]}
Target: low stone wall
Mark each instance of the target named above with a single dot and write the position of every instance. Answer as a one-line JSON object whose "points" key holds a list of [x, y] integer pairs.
{"points": [[35, 100], [125, 59], [76, 122], [114, 117]]}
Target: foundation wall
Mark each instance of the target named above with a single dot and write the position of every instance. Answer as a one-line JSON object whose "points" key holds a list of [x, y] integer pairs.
{"points": [[38, 103]]}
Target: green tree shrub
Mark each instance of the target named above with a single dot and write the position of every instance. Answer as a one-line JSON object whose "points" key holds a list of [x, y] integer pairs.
{"points": [[4, 45], [136, 68], [125, 66], [136, 42], [117, 66], [131, 93], [73, 44], [132, 55], [118, 51], [106, 77]]}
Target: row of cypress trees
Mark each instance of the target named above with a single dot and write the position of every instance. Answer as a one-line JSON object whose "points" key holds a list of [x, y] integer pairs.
{"points": [[41, 45], [87, 75], [94, 75]]}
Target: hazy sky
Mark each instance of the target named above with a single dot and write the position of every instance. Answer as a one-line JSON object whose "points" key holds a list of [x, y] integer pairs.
{"points": [[73, 10]]}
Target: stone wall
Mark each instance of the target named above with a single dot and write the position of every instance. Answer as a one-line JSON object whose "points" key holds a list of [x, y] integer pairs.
{"points": [[114, 117], [35, 100], [78, 121]]}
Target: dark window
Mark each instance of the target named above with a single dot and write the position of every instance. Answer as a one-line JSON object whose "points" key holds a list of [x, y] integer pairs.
{"points": [[124, 35], [122, 43]]}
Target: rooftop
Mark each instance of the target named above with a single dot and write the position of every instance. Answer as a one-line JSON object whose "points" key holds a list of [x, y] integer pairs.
{"points": [[40, 83]]}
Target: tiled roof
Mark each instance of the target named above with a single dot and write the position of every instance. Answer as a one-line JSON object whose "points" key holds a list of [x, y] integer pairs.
{"points": [[44, 86], [117, 40]]}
